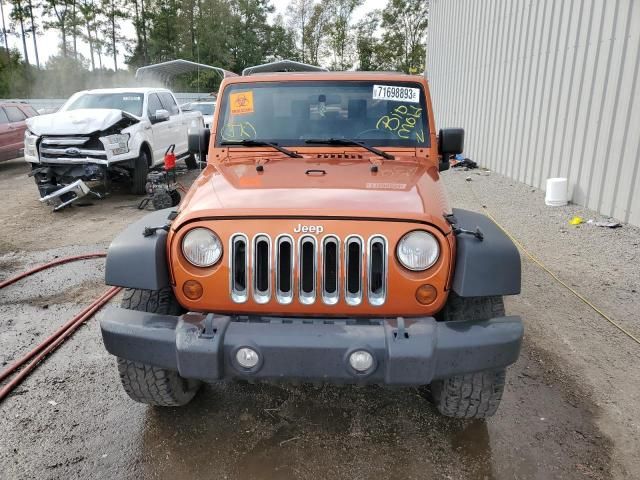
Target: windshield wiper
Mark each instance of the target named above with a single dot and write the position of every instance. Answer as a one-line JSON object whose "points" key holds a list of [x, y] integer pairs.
{"points": [[347, 142], [260, 143]]}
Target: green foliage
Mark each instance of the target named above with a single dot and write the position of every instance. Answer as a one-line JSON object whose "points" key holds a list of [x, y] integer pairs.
{"points": [[231, 34], [13, 75]]}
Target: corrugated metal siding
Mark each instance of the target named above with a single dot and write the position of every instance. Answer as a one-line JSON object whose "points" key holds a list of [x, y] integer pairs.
{"points": [[544, 88]]}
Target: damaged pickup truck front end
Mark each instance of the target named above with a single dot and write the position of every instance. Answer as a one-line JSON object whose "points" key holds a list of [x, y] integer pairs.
{"points": [[78, 152]]}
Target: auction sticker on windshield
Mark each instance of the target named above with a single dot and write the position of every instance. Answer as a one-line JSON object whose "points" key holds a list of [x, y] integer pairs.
{"points": [[241, 102], [396, 94]]}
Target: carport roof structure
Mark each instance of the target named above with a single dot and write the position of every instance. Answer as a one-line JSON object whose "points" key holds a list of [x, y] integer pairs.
{"points": [[165, 71]]}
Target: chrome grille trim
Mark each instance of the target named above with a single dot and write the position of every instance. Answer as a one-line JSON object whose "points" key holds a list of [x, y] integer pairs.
{"points": [[237, 295], [284, 297], [307, 298], [64, 140], [369, 275], [330, 298], [261, 295], [379, 297], [353, 298]]}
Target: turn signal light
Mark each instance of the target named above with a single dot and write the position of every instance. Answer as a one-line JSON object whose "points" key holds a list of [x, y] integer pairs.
{"points": [[426, 294], [192, 289]]}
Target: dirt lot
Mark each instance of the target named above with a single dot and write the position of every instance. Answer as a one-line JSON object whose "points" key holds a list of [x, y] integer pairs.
{"points": [[570, 409]]}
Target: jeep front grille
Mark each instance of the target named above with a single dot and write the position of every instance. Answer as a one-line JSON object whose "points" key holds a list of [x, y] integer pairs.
{"points": [[322, 270]]}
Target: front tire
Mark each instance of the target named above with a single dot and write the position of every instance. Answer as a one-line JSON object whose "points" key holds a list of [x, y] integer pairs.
{"points": [[191, 162], [140, 173], [147, 383], [473, 395]]}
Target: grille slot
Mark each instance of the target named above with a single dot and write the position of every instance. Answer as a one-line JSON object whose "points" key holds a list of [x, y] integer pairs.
{"points": [[284, 269], [238, 268], [353, 253], [330, 270], [307, 270], [298, 269], [261, 268], [377, 270]]}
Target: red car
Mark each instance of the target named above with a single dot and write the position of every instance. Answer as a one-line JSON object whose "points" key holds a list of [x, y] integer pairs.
{"points": [[12, 127]]}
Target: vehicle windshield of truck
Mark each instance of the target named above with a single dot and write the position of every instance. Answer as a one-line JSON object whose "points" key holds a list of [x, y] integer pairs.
{"points": [[127, 102], [204, 108], [290, 113]]}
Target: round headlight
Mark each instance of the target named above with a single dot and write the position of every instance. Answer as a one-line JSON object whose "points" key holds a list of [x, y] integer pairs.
{"points": [[418, 250], [201, 247]]}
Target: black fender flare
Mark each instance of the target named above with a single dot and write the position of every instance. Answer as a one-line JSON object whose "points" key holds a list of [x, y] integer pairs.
{"points": [[136, 261], [486, 267]]}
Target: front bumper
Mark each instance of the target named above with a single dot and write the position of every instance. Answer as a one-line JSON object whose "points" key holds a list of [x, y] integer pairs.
{"points": [[406, 351]]}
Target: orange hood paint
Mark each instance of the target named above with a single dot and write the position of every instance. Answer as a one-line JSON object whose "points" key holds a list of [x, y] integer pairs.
{"points": [[404, 188]]}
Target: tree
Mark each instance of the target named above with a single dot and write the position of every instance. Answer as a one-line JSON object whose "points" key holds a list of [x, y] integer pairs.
{"points": [[60, 13], [282, 42], [317, 32], [18, 14], [339, 32], [368, 47], [34, 32], [405, 24], [299, 14], [114, 12]]}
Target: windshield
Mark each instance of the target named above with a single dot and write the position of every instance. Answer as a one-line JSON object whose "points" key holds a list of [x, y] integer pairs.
{"points": [[289, 113], [205, 108], [127, 102]]}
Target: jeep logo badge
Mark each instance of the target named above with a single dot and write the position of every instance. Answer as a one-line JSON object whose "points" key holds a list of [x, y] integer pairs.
{"points": [[308, 229], [72, 151]]}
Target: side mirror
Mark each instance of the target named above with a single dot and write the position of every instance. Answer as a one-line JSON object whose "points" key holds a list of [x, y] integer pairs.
{"points": [[199, 141], [160, 116], [186, 107], [450, 142]]}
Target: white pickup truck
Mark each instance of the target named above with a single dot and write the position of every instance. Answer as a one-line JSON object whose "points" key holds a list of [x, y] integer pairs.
{"points": [[103, 135]]}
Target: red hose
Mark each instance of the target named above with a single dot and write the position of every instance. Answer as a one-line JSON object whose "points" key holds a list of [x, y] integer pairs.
{"points": [[55, 263], [61, 334]]}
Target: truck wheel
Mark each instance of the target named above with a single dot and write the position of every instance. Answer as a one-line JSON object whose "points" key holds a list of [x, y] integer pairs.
{"points": [[191, 162], [473, 395], [139, 174], [146, 383]]}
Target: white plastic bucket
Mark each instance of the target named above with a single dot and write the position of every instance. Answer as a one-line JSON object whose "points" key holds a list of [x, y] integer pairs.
{"points": [[557, 192]]}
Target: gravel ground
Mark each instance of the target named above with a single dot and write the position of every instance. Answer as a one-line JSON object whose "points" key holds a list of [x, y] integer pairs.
{"points": [[570, 409]]}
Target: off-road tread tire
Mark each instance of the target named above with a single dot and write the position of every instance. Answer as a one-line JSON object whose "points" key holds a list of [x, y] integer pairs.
{"points": [[474, 395], [155, 386], [139, 174], [191, 162], [473, 308], [146, 383]]}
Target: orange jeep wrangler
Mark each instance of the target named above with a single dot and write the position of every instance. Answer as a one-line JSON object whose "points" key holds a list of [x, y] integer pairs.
{"points": [[317, 245]]}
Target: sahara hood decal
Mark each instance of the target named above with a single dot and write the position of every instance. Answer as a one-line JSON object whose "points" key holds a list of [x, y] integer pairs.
{"points": [[81, 121]]}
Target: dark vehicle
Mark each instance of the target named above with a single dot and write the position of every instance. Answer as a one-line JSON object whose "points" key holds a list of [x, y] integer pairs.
{"points": [[12, 127]]}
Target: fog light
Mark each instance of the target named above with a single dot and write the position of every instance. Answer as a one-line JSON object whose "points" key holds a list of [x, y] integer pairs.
{"points": [[247, 357], [426, 294], [361, 360], [192, 289]]}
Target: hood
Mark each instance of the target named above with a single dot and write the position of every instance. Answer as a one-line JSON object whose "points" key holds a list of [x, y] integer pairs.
{"points": [[81, 121], [404, 188]]}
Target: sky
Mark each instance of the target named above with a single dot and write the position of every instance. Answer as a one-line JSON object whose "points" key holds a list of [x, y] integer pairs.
{"points": [[48, 42]]}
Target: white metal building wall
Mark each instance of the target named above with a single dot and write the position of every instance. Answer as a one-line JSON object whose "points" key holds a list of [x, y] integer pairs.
{"points": [[544, 88]]}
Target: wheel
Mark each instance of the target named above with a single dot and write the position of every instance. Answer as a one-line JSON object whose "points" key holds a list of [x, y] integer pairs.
{"points": [[175, 197], [146, 383], [473, 395], [162, 199], [139, 174], [191, 162]]}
